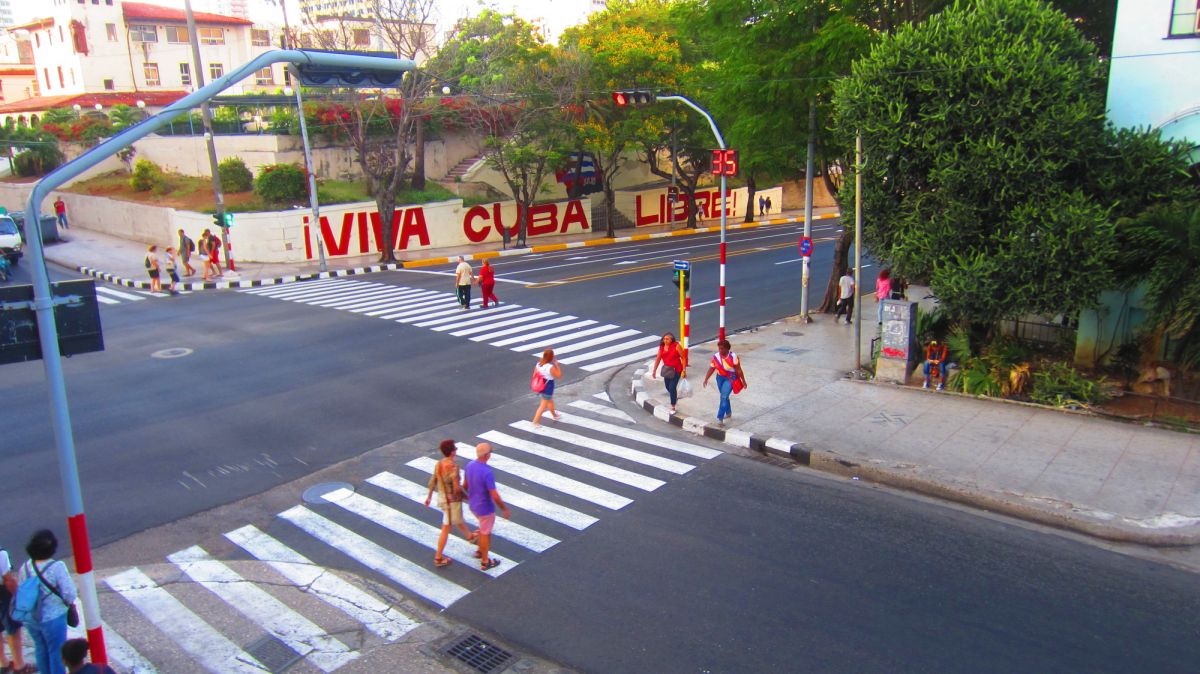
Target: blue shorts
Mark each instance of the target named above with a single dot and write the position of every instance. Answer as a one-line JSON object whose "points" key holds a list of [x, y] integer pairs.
{"points": [[548, 392]]}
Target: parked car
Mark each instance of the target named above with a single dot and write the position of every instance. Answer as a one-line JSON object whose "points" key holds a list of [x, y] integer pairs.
{"points": [[11, 243]]}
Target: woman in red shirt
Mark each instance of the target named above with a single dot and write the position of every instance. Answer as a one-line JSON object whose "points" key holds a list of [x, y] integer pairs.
{"points": [[487, 283], [673, 357]]}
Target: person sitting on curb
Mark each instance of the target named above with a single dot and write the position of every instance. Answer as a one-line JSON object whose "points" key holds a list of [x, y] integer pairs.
{"points": [[935, 356]]}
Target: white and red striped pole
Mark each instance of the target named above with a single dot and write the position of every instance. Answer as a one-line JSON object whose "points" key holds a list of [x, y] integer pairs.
{"points": [[82, 550], [687, 314], [724, 190]]}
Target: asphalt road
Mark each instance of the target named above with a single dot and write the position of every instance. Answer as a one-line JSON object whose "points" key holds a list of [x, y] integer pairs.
{"points": [[208, 398]]}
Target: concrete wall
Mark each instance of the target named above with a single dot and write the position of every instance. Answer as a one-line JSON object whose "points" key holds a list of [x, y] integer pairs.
{"points": [[1104, 329], [632, 173]]}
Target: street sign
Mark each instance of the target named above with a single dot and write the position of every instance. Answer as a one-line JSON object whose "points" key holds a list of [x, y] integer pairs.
{"points": [[683, 264], [806, 246], [673, 193], [724, 162], [76, 315]]}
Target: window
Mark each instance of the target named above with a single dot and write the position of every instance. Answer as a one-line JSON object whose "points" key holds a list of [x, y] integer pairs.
{"points": [[1185, 19], [46, 74], [260, 38], [37, 41], [150, 70], [211, 35], [185, 74], [111, 29], [62, 81], [72, 77], [362, 37], [177, 34], [215, 70], [143, 33], [264, 77], [109, 86], [60, 35]]}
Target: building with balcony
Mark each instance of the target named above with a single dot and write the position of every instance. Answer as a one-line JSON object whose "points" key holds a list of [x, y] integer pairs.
{"points": [[111, 51], [1156, 51]]}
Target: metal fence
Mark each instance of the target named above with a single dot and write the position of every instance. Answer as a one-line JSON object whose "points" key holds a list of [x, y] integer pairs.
{"points": [[1039, 332]]}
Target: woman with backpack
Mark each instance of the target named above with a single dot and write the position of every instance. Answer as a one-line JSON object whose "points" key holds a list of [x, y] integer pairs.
{"points": [[55, 597], [548, 369], [11, 628]]}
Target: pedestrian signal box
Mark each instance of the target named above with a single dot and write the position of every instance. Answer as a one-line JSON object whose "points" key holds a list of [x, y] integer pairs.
{"points": [[685, 275]]}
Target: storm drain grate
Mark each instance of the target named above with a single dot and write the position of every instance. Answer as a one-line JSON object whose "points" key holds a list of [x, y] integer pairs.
{"points": [[273, 654], [479, 655]]}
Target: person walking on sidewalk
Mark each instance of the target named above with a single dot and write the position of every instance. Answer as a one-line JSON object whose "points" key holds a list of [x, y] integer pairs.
{"points": [[171, 273], [883, 291], [49, 629], [487, 284], [214, 253], [463, 278], [480, 484], [186, 248], [845, 296], [153, 268], [673, 357], [60, 209], [202, 251], [11, 628], [450, 498], [730, 378], [549, 369]]}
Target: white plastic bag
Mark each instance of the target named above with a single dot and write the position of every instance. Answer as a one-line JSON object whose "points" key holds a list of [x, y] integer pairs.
{"points": [[684, 390]]}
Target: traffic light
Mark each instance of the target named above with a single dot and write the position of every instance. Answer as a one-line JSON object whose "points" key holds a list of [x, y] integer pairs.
{"points": [[633, 98], [223, 220], [228, 219], [217, 221], [687, 278]]}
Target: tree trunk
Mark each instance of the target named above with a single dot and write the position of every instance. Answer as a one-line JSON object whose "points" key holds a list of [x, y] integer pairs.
{"points": [[385, 202], [751, 188], [610, 198], [418, 178]]}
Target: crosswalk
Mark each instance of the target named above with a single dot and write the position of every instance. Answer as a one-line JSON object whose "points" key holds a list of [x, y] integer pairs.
{"points": [[108, 295], [590, 344], [281, 581]]}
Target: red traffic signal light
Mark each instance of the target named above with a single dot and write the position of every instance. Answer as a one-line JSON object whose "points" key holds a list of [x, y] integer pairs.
{"points": [[635, 98]]}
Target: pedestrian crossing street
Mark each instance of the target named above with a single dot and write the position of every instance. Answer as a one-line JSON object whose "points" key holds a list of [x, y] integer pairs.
{"points": [[109, 295], [558, 480], [592, 345]]}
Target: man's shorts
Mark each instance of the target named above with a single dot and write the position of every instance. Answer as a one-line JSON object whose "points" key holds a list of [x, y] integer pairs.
{"points": [[452, 513], [486, 522]]}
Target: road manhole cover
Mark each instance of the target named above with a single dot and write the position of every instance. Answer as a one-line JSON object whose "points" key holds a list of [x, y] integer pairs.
{"points": [[480, 655], [319, 494], [273, 654], [176, 352], [792, 333]]}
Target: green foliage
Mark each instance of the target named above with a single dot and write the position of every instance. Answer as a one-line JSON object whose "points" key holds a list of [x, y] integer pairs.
{"points": [[123, 116], [59, 116], [1001, 369], [40, 154], [958, 342], [281, 183], [930, 325], [285, 121], [1060, 385], [235, 177], [975, 377], [147, 176], [983, 127]]}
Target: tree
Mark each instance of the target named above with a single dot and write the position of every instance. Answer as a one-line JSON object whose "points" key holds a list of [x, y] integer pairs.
{"points": [[981, 126], [629, 45], [382, 128]]}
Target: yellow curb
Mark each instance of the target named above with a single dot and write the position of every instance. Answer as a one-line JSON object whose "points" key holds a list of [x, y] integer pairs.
{"points": [[549, 247], [427, 262]]}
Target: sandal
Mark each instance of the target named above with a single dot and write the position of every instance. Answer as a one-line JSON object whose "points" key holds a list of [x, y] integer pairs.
{"points": [[489, 564], [478, 554], [473, 537], [441, 561]]}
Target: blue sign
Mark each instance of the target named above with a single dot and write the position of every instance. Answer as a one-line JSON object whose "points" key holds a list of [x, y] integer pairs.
{"points": [[683, 264], [806, 246]]}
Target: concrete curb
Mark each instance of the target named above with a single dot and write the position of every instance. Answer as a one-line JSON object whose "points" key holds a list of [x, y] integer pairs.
{"points": [[432, 261], [1067, 517]]}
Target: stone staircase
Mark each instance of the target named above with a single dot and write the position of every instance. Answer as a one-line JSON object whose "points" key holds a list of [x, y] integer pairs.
{"points": [[460, 169]]}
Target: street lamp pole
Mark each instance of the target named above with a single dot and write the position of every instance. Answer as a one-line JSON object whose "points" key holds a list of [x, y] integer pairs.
{"points": [[724, 190], [858, 166], [312, 177], [808, 205]]}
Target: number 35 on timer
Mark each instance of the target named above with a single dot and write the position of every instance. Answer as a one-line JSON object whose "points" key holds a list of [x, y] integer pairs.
{"points": [[724, 162]]}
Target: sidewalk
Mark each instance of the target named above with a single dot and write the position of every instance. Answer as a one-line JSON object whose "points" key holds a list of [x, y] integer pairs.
{"points": [[1072, 470], [121, 261]]}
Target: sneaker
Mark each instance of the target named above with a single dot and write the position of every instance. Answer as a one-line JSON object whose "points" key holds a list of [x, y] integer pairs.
{"points": [[925, 385], [941, 387], [672, 409]]}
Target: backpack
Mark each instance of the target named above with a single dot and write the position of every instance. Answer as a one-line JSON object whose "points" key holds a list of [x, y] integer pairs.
{"points": [[538, 382], [147, 262], [191, 246], [27, 600]]}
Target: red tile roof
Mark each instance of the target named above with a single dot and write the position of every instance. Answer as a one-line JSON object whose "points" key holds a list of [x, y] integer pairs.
{"points": [[146, 12], [16, 71], [33, 25], [153, 99]]}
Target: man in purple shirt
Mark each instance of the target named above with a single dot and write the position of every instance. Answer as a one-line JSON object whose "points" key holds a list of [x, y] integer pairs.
{"points": [[480, 484]]}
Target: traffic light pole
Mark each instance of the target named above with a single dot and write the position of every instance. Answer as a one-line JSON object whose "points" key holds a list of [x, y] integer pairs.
{"points": [[724, 191], [43, 300], [210, 140]]}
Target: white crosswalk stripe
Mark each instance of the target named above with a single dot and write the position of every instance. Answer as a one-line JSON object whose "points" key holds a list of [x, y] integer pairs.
{"points": [[109, 296], [199, 639], [559, 479], [522, 329], [293, 629]]}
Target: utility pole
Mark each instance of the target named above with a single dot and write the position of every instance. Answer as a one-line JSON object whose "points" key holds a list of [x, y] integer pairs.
{"points": [[206, 117], [858, 166], [808, 204]]}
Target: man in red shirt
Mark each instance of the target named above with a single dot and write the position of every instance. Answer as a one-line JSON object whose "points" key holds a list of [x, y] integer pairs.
{"points": [[935, 356]]}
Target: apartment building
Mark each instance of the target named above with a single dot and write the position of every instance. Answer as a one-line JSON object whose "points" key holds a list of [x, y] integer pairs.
{"points": [[112, 51]]}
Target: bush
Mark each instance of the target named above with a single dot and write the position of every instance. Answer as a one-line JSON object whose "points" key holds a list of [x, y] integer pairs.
{"points": [[1061, 385], [39, 159], [235, 177], [281, 183], [147, 176]]}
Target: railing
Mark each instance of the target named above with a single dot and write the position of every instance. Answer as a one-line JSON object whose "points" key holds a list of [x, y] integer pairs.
{"points": [[1039, 332]]}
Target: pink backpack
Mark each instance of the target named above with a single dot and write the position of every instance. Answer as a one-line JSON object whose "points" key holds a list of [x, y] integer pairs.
{"points": [[538, 382]]}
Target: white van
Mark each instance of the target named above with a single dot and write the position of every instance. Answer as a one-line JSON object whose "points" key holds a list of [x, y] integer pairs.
{"points": [[11, 244]]}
